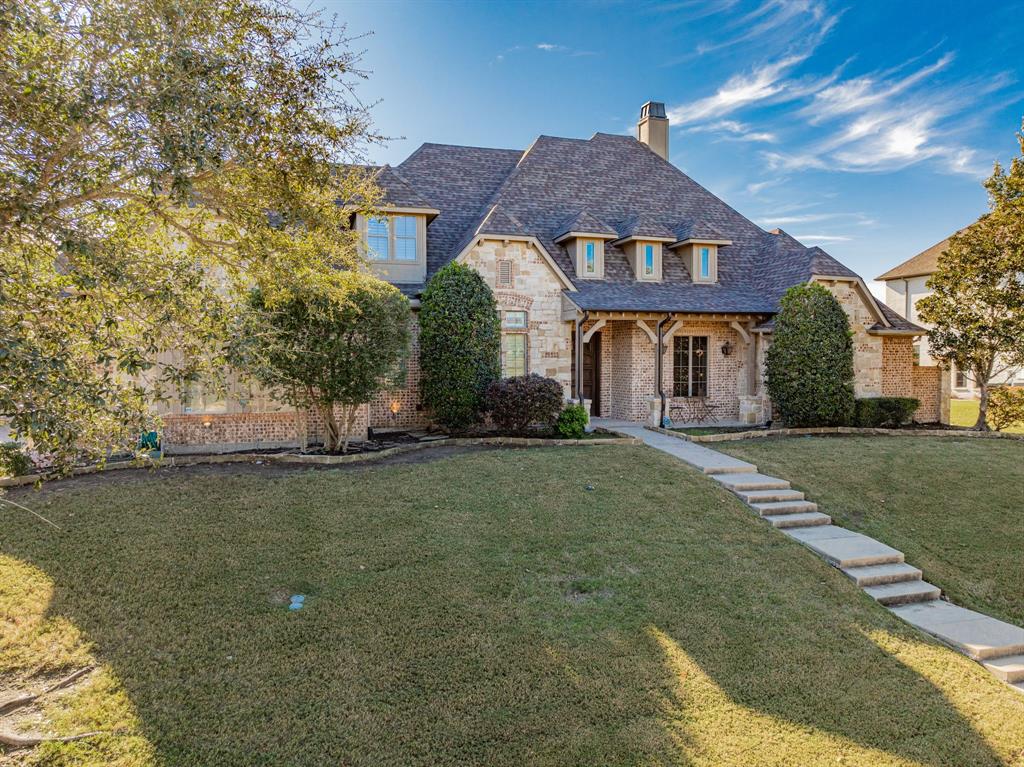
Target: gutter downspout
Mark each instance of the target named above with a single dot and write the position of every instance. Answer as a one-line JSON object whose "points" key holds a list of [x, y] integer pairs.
{"points": [[659, 351], [580, 321]]}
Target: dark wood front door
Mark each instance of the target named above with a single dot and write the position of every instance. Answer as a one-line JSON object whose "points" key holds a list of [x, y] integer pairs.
{"points": [[592, 373]]}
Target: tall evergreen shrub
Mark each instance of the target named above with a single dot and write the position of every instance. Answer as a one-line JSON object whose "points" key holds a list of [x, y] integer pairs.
{"points": [[810, 360], [460, 344]]}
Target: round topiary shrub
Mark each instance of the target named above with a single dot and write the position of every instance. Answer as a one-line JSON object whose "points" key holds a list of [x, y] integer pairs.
{"points": [[572, 422], [460, 343], [1006, 408], [810, 360], [517, 403]]}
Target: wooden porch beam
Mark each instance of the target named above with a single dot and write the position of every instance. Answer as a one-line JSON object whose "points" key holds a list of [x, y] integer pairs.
{"points": [[647, 329], [594, 328]]}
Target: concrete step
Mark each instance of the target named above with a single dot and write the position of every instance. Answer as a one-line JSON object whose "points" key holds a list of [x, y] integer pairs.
{"points": [[810, 519], [1018, 686], [751, 481], [769, 496], [876, 575], [784, 507], [1009, 669], [903, 592], [977, 636], [844, 548]]}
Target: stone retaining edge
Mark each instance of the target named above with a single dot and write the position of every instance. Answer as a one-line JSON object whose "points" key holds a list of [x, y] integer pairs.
{"points": [[763, 433], [329, 460]]}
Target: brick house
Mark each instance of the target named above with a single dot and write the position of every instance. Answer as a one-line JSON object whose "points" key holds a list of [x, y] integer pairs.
{"points": [[616, 274]]}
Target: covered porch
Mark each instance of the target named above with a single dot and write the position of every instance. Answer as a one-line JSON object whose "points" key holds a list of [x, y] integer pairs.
{"points": [[654, 367]]}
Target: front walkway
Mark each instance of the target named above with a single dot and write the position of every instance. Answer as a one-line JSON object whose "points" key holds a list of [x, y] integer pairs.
{"points": [[879, 569]]}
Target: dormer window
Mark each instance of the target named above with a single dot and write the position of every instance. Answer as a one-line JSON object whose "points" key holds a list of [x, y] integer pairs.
{"points": [[648, 259], [705, 262], [392, 238], [590, 258], [378, 239], [698, 244]]}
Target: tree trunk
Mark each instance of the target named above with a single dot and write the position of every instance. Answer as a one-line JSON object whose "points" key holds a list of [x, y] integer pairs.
{"points": [[349, 412], [331, 430], [982, 423]]}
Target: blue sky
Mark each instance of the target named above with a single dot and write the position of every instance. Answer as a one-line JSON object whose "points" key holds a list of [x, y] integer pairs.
{"points": [[864, 127]]}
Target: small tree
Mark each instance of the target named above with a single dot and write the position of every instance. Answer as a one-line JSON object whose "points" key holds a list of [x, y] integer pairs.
{"points": [[460, 343], [810, 360], [331, 346], [976, 307]]}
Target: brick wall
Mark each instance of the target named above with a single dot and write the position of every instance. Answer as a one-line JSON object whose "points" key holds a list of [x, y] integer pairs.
{"points": [[724, 373], [897, 366], [407, 396], [926, 382], [225, 432]]}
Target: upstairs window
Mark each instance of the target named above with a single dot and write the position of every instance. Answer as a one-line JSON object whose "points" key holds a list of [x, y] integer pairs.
{"points": [[378, 239], [690, 366], [515, 319], [648, 260], [405, 237], [392, 238], [705, 263], [590, 257]]}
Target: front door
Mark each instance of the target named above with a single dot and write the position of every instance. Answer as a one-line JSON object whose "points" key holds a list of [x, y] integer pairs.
{"points": [[592, 373]]}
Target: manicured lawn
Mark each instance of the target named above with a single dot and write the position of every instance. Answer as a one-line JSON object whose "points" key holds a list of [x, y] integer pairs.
{"points": [[954, 507], [964, 412], [581, 606]]}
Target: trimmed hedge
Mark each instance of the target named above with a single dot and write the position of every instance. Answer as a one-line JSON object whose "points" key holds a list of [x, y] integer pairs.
{"points": [[460, 344], [572, 422], [14, 462], [885, 412], [518, 403]]}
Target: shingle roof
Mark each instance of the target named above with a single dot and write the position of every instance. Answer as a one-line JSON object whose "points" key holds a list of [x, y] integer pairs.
{"points": [[642, 225], [925, 262], [398, 192], [583, 221], [609, 184]]}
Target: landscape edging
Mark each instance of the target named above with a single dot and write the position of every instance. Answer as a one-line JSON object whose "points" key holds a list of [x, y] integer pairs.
{"points": [[320, 460], [798, 432]]}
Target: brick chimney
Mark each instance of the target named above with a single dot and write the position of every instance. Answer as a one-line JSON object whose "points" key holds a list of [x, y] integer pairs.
{"points": [[653, 128]]}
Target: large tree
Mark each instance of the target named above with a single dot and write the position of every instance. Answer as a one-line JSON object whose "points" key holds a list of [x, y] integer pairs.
{"points": [[976, 307], [157, 159], [329, 345]]}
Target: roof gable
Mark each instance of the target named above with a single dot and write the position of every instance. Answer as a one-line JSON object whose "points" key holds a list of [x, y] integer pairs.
{"points": [[924, 263]]}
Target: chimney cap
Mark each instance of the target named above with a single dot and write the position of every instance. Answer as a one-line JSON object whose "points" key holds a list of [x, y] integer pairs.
{"points": [[653, 109]]}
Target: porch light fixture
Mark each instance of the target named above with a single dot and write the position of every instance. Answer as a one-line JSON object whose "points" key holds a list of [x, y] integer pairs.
{"points": [[395, 407], [726, 349]]}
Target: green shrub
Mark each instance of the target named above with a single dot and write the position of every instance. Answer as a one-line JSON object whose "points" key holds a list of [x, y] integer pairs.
{"points": [[460, 343], [14, 462], [516, 404], [810, 361], [572, 422], [1005, 408], [885, 412]]}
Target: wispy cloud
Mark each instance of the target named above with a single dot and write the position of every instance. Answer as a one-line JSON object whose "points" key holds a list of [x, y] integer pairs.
{"points": [[544, 47], [734, 130], [770, 219], [822, 237]]}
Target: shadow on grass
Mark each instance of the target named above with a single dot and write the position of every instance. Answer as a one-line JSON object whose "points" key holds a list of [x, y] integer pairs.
{"points": [[481, 611]]}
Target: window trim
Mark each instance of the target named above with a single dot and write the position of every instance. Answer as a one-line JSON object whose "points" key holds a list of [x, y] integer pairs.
{"points": [[505, 319], [648, 255], [392, 239], [692, 382], [696, 263]]}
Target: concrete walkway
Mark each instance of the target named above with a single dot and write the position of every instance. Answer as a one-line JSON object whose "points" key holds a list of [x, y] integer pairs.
{"points": [[875, 567]]}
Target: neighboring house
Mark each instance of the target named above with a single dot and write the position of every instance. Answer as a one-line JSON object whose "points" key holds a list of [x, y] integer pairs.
{"points": [[907, 284], [617, 275]]}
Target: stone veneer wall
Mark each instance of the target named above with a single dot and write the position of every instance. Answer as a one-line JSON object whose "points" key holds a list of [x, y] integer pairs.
{"points": [[867, 349], [537, 290], [227, 432], [410, 413], [724, 373], [926, 386]]}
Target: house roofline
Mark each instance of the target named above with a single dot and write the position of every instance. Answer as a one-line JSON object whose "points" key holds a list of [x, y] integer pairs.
{"points": [[530, 240]]}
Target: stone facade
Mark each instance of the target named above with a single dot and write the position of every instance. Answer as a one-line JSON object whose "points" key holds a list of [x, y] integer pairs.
{"points": [[726, 374], [227, 432], [867, 349], [535, 288]]}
